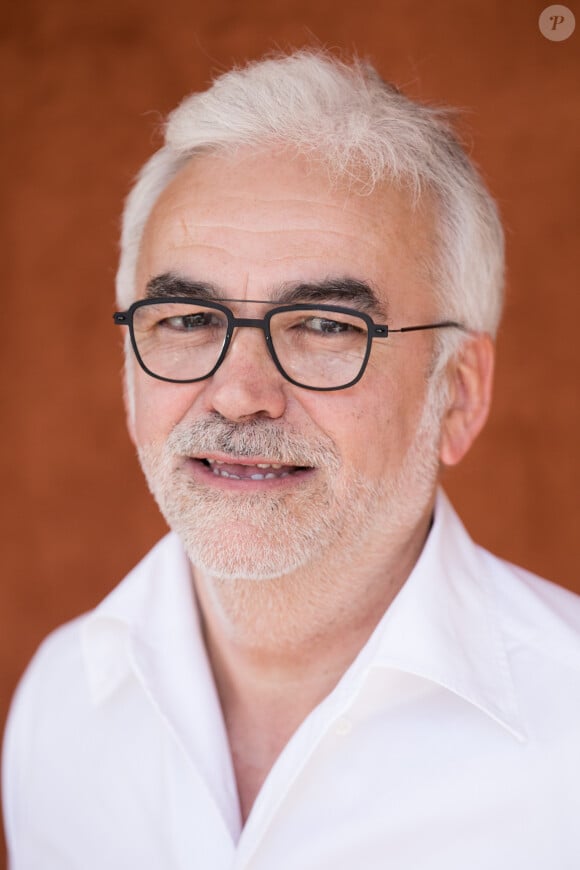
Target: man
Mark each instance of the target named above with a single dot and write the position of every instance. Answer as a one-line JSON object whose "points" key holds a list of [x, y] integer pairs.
{"points": [[317, 668]]}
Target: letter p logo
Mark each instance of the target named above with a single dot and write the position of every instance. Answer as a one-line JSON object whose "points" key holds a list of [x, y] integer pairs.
{"points": [[557, 23]]}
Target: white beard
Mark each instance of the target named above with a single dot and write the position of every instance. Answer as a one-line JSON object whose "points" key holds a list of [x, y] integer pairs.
{"points": [[325, 521]]}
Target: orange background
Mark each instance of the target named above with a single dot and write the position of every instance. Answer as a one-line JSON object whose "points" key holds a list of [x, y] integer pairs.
{"points": [[84, 87]]}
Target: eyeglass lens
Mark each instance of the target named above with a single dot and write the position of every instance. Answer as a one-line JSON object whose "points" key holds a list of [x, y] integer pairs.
{"points": [[316, 348]]}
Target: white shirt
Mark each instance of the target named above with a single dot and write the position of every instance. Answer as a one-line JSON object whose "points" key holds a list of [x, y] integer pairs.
{"points": [[452, 742]]}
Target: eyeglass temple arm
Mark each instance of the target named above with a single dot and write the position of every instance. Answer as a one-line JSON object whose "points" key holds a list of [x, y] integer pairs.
{"points": [[443, 324]]}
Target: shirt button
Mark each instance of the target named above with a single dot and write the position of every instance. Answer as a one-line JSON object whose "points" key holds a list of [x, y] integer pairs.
{"points": [[343, 727]]}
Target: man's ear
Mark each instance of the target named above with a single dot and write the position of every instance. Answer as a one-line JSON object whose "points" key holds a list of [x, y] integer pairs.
{"points": [[470, 388]]}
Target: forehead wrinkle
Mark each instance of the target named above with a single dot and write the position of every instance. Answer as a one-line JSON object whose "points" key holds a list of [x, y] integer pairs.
{"points": [[299, 249], [185, 197], [191, 228], [183, 230], [308, 219]]}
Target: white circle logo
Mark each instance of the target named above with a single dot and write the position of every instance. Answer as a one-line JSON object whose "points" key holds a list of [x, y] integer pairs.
{"points": [[557, 23]]}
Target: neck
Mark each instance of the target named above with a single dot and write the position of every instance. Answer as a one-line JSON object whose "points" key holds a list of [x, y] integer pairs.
{"points": [[278, 647]]}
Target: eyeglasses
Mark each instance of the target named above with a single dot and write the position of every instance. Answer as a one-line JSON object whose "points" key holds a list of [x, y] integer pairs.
{"points": [[317, 347]]}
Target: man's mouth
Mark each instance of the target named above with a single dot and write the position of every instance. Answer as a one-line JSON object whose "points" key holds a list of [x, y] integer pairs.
{"points": [[242, 470]]}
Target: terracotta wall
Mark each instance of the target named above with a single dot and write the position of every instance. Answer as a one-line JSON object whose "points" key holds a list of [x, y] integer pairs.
{"points": [[84, 86]]}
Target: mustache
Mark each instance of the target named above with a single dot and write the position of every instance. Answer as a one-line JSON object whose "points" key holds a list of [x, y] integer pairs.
{"points": [[252, 438]]}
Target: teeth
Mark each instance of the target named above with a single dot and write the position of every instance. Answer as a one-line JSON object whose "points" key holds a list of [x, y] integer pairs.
{"points": [[221, 472], [274, 465]]}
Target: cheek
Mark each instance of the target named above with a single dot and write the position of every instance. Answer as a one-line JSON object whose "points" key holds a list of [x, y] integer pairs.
{"points": [[373, 424], [158, 407], [357, 420]]}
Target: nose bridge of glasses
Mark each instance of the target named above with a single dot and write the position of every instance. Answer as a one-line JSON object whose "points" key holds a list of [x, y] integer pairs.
{"points": [[245, 354], [246, 342], [253, 322]]}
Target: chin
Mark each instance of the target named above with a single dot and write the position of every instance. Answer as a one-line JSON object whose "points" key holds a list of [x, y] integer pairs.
{"points": [[260, 539], [246, 563]]}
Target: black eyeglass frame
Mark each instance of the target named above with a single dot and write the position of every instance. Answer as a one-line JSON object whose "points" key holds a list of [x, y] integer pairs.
{"points": [[374, 330]]}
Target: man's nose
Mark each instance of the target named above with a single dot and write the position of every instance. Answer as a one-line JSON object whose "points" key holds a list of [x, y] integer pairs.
{"points": [[247, 383]]}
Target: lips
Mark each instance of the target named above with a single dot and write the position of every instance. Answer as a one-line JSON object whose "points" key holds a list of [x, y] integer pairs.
{"points": [[243, 470]]}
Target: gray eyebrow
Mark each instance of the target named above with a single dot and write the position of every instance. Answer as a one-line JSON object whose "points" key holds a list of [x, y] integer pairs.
{"points": [[342, 291], [171, 285]]}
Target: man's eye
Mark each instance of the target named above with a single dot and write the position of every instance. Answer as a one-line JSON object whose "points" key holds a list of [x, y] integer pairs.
{"points": [[327, 326], [188, 322]]}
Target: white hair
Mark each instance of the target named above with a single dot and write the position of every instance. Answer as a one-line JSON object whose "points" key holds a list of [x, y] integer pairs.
{"points": [[363, 131]]}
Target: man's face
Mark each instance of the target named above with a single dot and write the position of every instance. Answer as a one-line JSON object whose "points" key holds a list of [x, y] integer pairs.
{"points": [[358, 470]]}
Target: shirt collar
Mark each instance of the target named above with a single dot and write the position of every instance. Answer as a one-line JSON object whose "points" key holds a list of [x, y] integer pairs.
{"points": [[138, 615], [443, 625], [148, 632]]}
